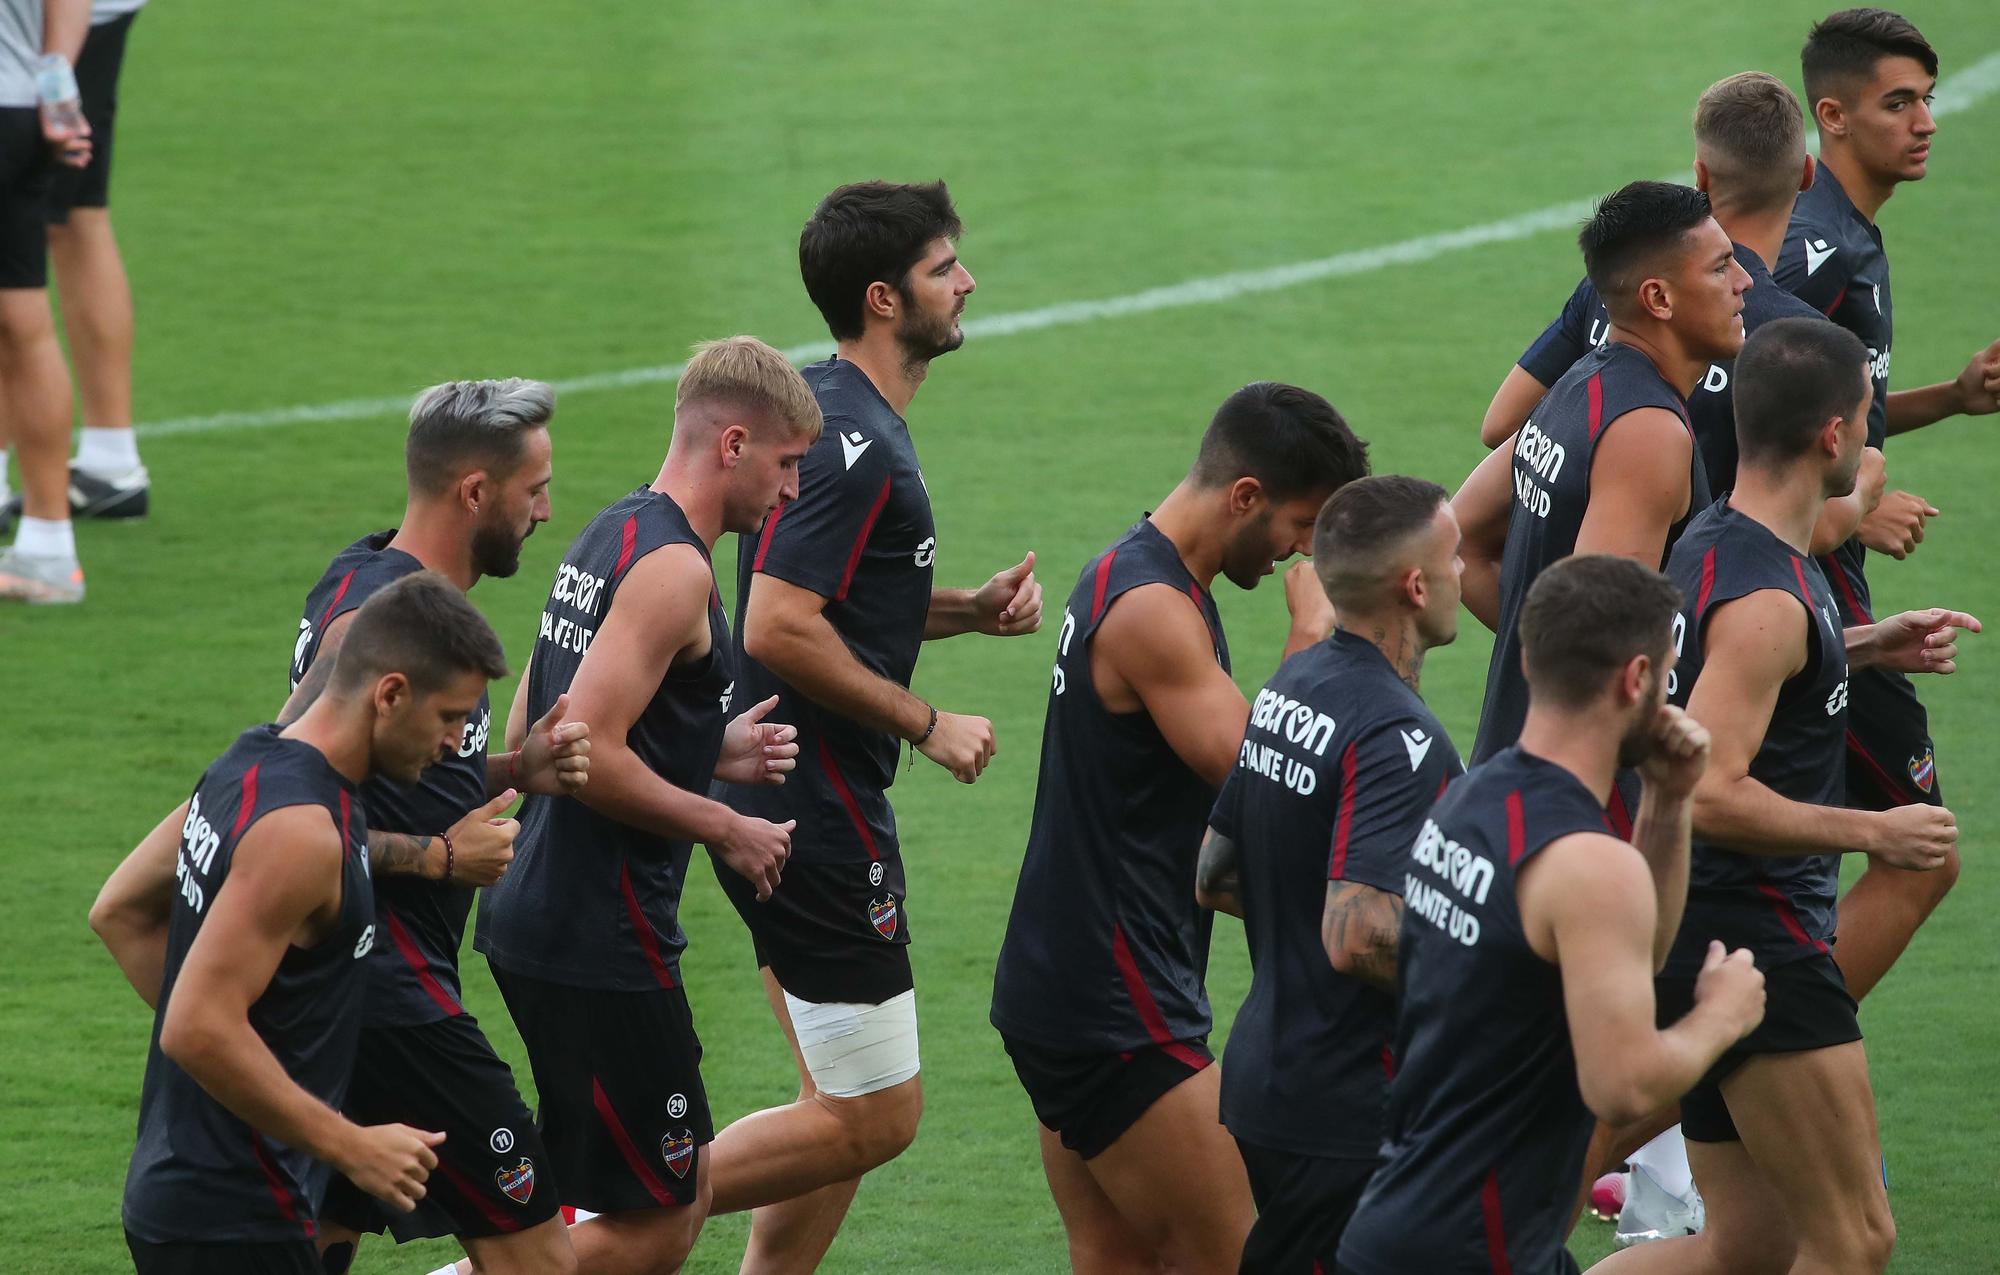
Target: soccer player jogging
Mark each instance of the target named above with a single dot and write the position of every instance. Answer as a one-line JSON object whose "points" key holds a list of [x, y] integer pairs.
{"points": [[1531, 934], [478, 461], [1098, 993], [1608, 463], [835, 600], [1868, 78], [41, 127], [583, 933], [257, 971], [1750, 159], [1340, 765], [1781, 1131]]}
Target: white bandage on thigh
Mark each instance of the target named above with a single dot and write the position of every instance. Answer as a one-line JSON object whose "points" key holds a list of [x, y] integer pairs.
{"points": [[851, 1049]]}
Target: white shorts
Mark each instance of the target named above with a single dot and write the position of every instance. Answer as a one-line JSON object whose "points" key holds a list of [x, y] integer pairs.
{"points": [[852, 1050]]}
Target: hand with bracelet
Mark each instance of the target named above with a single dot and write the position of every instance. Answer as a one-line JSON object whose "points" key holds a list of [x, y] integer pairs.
{"points": [[961, 744], [478, 848]]}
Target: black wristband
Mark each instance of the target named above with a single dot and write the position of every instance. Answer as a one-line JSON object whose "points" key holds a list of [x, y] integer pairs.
{"points": [[450, 855], [930, 729]]}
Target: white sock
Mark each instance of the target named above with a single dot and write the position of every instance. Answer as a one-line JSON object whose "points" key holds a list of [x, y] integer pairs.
{"points": [[446, 1270], [1665, 1159], [45, 538], [3, 470], [108, 453]]}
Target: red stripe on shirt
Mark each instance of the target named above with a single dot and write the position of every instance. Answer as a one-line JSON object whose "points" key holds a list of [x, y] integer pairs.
{"points": [[346, 820], [846, 794], [633, 1160], [246, 804], [1149, 1009], [1496, 1227], [1799, 570], [1595, 388], [648, 943], [1343, 823], [280, 1193], [413, 956], [861, 540], [1788, 918], [1707, 589], [500, 1218], [764, 540], [1847, 590], [339, 592], [1834, 304], [1620, 817], [628, 539], [1102, 583], [1517, 828]]}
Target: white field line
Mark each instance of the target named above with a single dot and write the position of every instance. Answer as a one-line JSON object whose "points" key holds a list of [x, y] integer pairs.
{"points": [[1958, 93]]}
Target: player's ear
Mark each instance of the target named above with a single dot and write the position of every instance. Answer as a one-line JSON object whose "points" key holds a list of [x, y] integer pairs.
{"points": [[1812, 168], [1654, 298], [1635, 680], [1245, 494], [1413, 587], [392, 692], [1702, 179], [471, 488], [1831, 116], [734, 441], [880, 301]]}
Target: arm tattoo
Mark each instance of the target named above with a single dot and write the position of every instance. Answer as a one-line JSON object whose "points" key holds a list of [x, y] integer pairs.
{"points": [[1363, 923], [1215, 870], [396, 853], [308, 689]]}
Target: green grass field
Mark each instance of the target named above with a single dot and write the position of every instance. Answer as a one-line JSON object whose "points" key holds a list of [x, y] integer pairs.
{"points": [[331, 202]]}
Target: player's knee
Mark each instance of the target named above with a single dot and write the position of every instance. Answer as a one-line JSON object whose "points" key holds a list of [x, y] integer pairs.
{"points": [[540, 1250], [1102, 1254], [1207, 1243], [1875, 1236], [1942, 878], [557, 1257], [671, 1236], [1756, 1250], [899, 1125], [881, 1126], [26, 323]]}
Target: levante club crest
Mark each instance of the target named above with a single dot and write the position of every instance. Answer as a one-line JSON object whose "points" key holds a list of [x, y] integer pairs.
{"points": [[1923, 770], [883, 916], [517, 1183], [677, 1149]]}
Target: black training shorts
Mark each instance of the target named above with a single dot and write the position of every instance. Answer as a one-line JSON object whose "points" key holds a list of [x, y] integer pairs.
{"points": [[623, 1112], [493, 1175], [830, 932], [1890, 761], [1303, 1205], [1806, 1006], [26, 162], [286, 1257], [1090, 1100]]}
